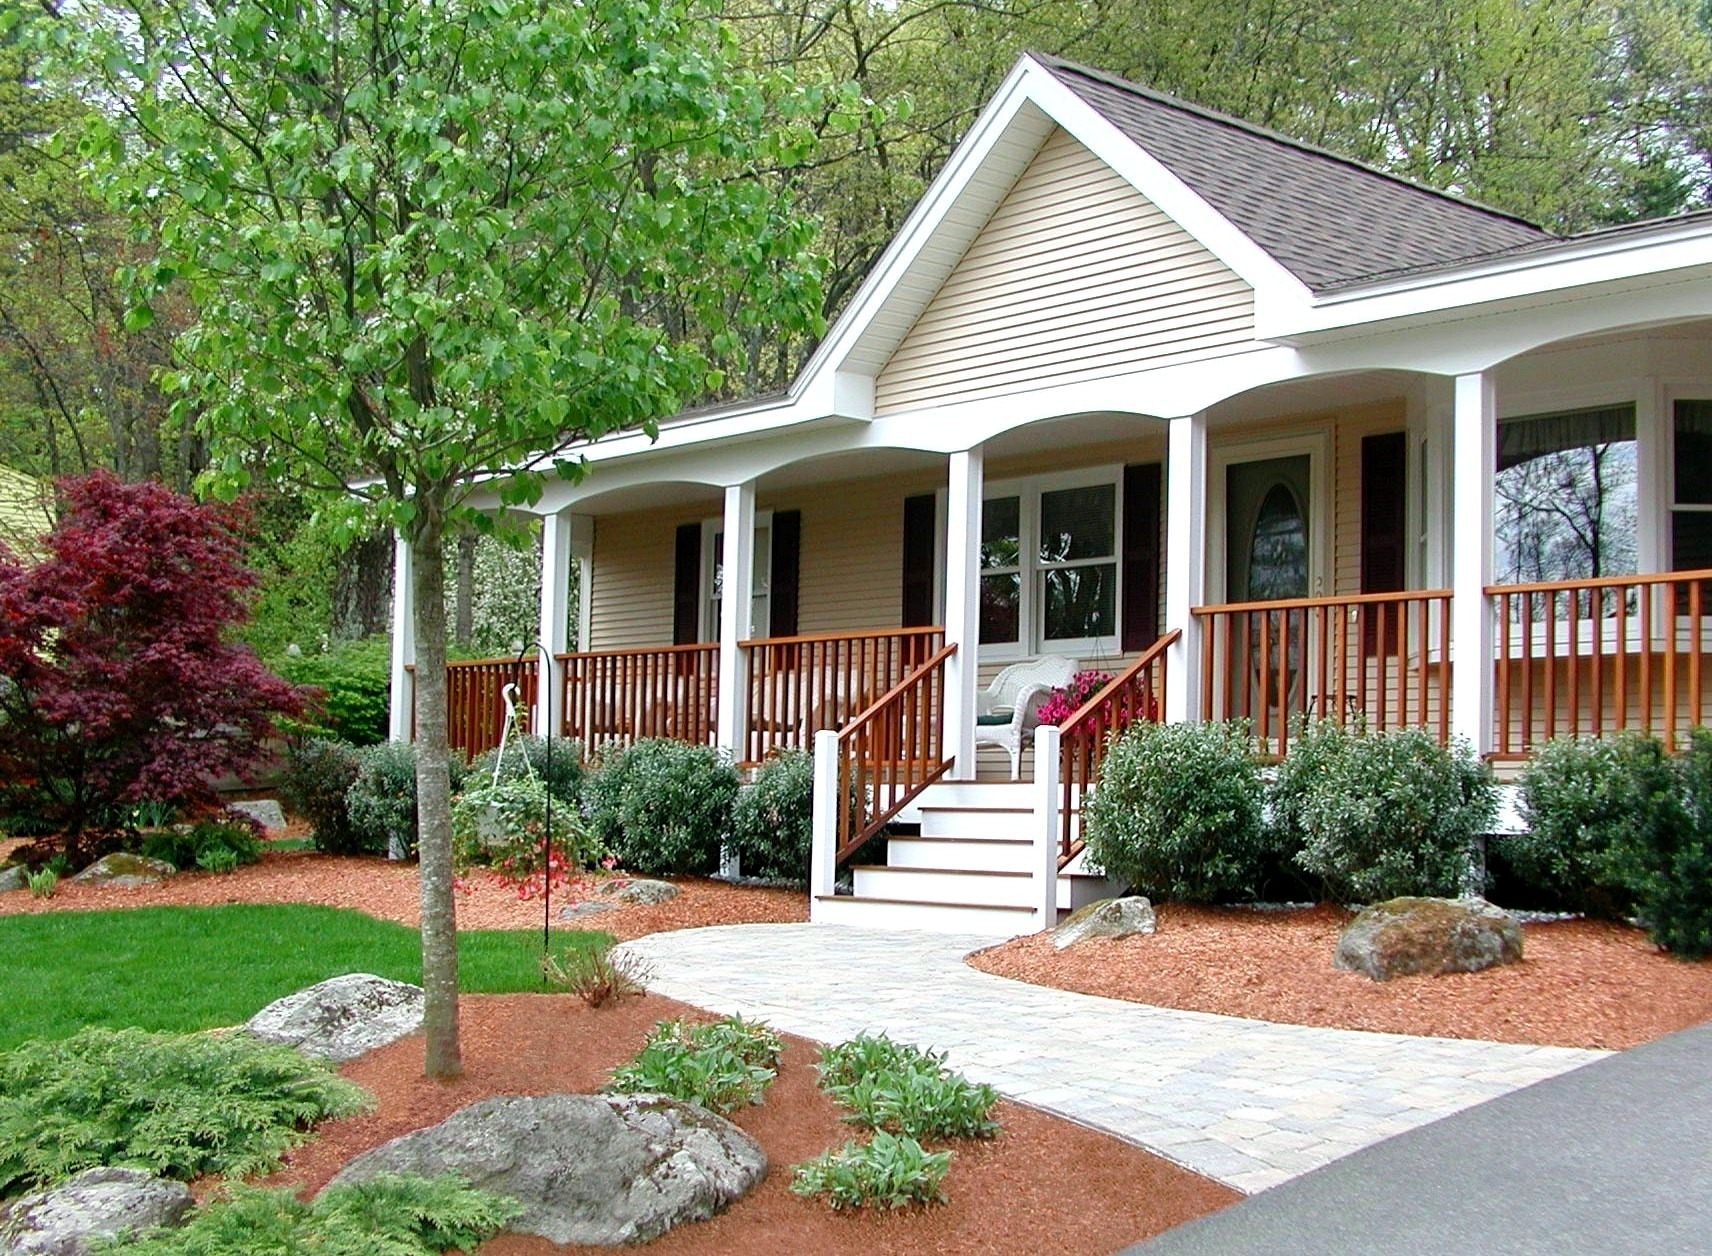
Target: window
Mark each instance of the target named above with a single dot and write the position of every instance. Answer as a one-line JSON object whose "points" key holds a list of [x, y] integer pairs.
{"points": [[1691, 507], [1049, 564], [713, 563], [1566, 502]]}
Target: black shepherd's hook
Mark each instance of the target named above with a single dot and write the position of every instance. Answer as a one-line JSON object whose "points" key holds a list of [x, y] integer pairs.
{"points": [[543, 675]]}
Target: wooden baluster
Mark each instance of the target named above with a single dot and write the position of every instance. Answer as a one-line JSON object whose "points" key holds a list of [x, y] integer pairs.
{"points": [[1573, 663], [1694, 645], [1645, 599], [1621, 711], [1669, 593]]}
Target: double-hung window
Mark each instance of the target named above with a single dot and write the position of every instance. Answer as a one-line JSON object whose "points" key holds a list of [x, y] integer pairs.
{"points": [[1566, 502], [1691, 504], [1049, 565]]}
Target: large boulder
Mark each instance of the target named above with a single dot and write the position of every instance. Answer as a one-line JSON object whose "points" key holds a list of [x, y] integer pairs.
{"points": [[342, 1017], [1107, 918], [264, 811], [605, 1169], [639, 890], [1406, 936], [97, 1204], [17, 877], [124, 869]]}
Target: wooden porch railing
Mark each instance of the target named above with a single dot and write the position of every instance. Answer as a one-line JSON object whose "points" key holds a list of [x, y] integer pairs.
{"points": [[1384, 657], [1600, 656], [475, 708], [797, 686], [1135, 694], [622, 696], [891, 752]]}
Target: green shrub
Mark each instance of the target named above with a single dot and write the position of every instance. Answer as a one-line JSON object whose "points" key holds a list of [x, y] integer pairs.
{"points": [[772, 821], [392, 1215], [1667, 866], [318, 775], [225, 843], [178, 1105], [1375, 815], [904, 1090], [720, 1065], [43, 882], [1587, 802], [355, 683], [1177, 814], [663, 806], [561, 770], [888, 1170], [503, 825], [381, 801]]}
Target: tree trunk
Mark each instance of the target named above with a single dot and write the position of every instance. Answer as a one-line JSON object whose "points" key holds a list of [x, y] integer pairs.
{"points": [[464, 629], [362, 588], [434, 802]]}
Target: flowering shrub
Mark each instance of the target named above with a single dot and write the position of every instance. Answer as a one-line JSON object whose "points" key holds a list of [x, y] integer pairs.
{"points": [[1066, 700]]}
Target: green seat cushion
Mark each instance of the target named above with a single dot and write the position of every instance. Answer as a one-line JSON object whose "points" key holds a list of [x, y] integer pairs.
{"points": [[994, 717]]}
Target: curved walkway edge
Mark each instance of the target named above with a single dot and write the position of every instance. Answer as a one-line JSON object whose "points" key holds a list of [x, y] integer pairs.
{"points": [[1249, 1103]]}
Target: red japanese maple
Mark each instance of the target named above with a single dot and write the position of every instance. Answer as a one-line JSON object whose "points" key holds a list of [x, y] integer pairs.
{"points": [[118, 681]]}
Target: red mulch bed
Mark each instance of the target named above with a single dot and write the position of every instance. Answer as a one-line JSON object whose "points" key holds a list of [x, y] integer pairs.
{"points": [[1581, 983], [1043, 1184], [392, 891]]}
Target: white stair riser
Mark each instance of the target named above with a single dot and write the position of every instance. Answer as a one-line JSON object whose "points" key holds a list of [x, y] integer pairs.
{"points": [[951, 852], [970, 794], [931, 917], [942, 887], [981, 823]]}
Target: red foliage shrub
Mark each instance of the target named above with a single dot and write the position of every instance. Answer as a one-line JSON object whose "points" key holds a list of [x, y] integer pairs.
{"points": [[118, 684]]}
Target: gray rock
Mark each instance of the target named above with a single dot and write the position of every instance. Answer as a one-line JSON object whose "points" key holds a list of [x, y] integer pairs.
{"points": [[592, 907], [606, 1169], [342, 1017], [264, 811], [17, 877], [1108, 918], [125, 870], [639, 890], [1406, 936], [65, 1220]]}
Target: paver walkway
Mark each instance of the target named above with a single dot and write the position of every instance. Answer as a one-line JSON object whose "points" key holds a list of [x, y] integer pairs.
{"points": [[1247, 1102]]}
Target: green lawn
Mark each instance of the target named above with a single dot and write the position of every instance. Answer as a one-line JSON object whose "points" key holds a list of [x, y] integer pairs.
{"points": [[182, 968]]}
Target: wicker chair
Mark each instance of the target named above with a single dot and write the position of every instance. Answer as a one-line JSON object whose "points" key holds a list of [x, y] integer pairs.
{"points": [[1006, 710]]}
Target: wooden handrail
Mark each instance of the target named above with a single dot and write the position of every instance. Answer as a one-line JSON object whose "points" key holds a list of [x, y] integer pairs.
{"points": [[1314, 603], [691, 648], [890, 753], [864, 634], [1136, 693], [1600, 582]]}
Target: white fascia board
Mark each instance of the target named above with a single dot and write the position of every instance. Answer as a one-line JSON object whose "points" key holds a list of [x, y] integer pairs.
{"points": [[1586, 266], [1278, 295]]}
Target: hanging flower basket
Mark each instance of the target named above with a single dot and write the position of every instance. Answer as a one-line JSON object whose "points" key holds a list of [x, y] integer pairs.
{"points": [[1066, 700]]}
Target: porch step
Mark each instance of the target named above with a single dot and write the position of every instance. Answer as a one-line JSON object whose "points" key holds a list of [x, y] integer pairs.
{"points": [[1001, 794], [1016, 822], [976, 854], [943, 885], [984, 919]]}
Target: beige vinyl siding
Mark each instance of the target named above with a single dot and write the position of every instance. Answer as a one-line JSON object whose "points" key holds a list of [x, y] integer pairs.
{"points": [[631, 583], [1075, 276]]}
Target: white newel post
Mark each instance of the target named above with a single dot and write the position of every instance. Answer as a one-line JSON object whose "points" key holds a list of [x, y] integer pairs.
{"points": [[736, 598], [1043, 892], [1185, 561], [962, 606], [1475, 422], [403, 639], [555, 616], [823, 849]]}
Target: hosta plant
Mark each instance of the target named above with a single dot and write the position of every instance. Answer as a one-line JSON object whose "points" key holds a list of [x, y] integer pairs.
{"points": [[721, 1065], [889, 1171]]}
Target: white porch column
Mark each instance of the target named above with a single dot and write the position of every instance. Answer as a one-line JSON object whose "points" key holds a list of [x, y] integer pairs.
{"points": [[555, 613], [1475, 423], [962, 606], [403, 638], [736, 599], [1185, 561], [582, 551]]}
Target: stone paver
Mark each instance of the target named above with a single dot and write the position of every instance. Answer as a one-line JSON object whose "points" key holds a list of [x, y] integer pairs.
{"points": [[1247, 1102]]}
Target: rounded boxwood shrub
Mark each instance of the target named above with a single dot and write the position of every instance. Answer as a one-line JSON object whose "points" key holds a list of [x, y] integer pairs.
{"points": [[1587, 802], [381, 801], [1376, 815], [561, 771], [772, 823], [318, 774], [1177, 814], [663, 806]]}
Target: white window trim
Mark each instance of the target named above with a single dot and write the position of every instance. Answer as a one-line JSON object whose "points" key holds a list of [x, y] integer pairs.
{"points": [[1028, 489], [1316, 443], [707, 621]]}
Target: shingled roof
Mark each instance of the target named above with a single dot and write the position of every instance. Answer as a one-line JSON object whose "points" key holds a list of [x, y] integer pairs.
{"points": [[1328, 220]]}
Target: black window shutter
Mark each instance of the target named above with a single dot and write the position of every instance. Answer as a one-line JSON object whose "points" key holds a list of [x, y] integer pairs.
{"points": [[920, 524], [686, 586], [1142, 485], [1384, 534], [787, 559]]}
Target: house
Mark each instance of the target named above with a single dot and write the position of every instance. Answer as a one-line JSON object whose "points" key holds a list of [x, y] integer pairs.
{"points": [[1255, 427]]}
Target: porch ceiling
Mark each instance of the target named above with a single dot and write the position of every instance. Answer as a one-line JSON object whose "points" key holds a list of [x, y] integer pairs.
{"points": [[1308, 396]]}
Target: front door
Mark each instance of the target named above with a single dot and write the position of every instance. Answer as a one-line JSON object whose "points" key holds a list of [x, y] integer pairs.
{"points": [[1268, 557]]}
